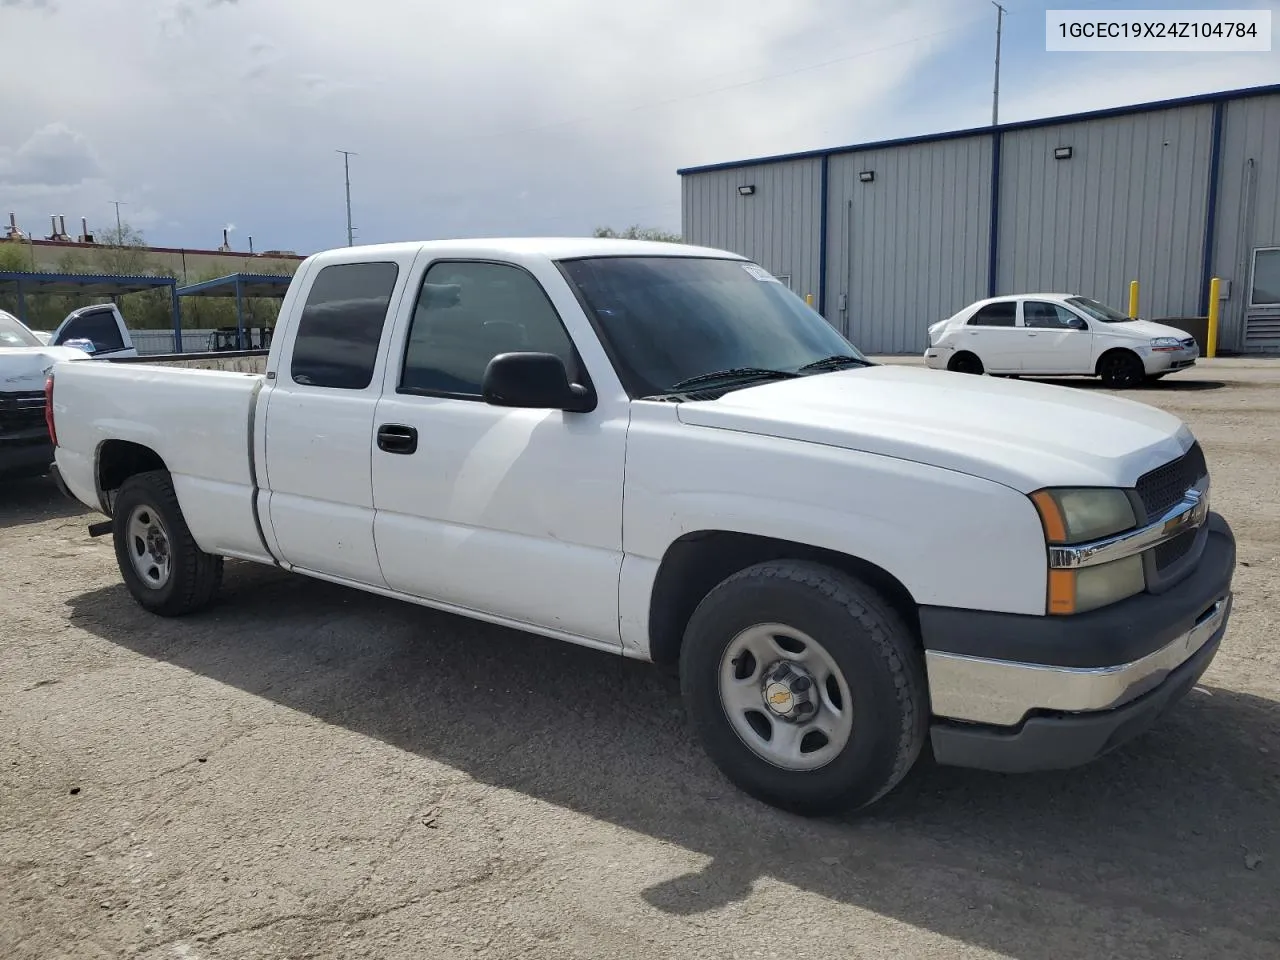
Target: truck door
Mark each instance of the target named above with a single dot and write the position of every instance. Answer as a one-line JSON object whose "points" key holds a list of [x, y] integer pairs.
{"points": [[511, 512], [319, 419]]}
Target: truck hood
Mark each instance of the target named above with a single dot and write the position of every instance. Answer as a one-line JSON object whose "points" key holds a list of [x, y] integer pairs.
{"points": [[1024, 435], [23, 369]]}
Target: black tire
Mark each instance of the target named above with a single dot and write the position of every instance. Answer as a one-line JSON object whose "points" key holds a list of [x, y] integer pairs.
{"points": [[194, 576], [870, 644], [966, 362], [1121, 369]]}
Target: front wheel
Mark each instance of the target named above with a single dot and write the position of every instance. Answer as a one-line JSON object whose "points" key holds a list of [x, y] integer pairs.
{"points": [[1121, 369], [805, 687], [160, 562]]}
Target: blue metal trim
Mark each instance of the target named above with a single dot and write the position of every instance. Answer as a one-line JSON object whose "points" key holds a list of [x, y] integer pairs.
{"points": [[822, 240], [239, 315], [118, 284], [1219, 97], [993, 230], [176, 308], [1211, 212]]}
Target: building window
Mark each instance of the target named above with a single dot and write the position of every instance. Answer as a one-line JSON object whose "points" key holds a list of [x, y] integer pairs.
{"points": [[1264, 289]]}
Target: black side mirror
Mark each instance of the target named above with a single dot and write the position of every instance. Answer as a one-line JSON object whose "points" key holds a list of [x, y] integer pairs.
{"points": [[1078, 324], [533, 380]]}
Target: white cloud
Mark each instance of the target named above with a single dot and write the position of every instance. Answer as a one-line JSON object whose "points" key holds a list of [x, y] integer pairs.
{"points": [[491, 116]]}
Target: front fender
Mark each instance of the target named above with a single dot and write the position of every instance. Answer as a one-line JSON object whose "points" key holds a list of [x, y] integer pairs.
{"points": [[951, 539]]}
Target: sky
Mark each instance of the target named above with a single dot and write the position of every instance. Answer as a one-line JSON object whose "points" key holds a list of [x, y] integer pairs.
{"points": [[498, 117]]}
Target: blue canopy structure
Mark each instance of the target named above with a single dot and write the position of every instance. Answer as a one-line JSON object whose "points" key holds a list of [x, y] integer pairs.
{"points": [[90, 285], [239, 285]]}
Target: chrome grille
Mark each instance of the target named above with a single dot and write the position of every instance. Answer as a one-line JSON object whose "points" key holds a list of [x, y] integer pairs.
{"points": [[1161, 488]]}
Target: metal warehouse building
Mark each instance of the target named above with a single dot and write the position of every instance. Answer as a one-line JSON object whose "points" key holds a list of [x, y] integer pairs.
{"points": [[890, 237]]}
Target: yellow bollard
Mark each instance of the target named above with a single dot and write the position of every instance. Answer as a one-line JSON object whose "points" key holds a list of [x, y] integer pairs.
{"points": [[1215, 309], [1133, 299], [808, 298]]}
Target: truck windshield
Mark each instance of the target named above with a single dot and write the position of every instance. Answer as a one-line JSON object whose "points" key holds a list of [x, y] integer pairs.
{"points": [[14, 334], [669, 320]]}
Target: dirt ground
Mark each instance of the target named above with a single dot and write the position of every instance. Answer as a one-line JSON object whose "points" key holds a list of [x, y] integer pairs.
{"points": [[306, 771]]}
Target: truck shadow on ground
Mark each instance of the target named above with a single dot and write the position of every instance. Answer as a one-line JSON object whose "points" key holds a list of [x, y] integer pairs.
{"points": [[33, 500], [1152, 839]]}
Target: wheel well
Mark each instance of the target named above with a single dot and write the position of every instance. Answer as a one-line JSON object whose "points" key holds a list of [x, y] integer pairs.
{"points": [[1097, 369], [118, 460], [963, 353], [697, 562]]}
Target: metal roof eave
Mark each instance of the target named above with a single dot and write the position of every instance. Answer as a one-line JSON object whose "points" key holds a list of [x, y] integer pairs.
{"points": [[1137, 108], [103, 285], [250, 285]]}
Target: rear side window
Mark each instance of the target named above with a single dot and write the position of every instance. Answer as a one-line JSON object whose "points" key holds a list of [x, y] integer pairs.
{"points": [[995, 315], [341, 325]]}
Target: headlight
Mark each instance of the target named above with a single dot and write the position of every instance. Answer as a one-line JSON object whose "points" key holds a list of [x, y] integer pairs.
{"points": [[1071, 516], [1084, 514], [1163, 343]]}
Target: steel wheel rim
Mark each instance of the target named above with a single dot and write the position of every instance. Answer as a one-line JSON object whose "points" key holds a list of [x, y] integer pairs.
{"points": [[148, 544], [1120, 371], [802, 741]]}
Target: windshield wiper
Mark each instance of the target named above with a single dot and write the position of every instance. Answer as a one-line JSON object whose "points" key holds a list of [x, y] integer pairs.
{"points": [[836, 362], [736, 373]]}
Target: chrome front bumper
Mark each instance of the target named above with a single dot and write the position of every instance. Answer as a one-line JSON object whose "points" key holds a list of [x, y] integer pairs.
{"points": [[1002, 693]]}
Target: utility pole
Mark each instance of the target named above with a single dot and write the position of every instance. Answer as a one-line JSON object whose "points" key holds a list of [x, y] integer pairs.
{"points": [[346, 169], [995, 95], [119, 229]]}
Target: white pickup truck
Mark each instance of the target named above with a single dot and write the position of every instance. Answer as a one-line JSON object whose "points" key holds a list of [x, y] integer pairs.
{"points": [[659, 451]]}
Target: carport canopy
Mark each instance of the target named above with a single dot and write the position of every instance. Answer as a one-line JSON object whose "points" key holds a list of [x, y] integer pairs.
{"points": [[88, 285], [239, 285]]}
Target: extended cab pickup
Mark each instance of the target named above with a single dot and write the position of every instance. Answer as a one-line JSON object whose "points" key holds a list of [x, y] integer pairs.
{"points": [[659, 451]]}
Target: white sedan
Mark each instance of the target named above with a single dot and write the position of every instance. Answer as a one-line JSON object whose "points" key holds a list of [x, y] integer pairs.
{"points": [[1057, 334]]}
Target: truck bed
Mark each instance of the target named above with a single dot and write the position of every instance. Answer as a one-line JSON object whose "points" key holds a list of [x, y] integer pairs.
{"points": [[200, 423]]}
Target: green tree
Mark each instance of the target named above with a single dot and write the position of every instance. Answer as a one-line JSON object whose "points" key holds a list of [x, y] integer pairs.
{"points": [[122, 252], [14, 255], [635, 232]]}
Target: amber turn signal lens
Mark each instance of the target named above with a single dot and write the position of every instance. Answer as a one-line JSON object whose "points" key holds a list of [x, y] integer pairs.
{"points": [[1055, 527], [1062, 591]]}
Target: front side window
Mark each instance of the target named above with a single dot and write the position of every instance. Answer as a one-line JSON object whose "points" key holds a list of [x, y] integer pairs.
{"points": [[1050, 316], [467, 313], [341, 325], [1265, 289], [14, 334], [666, 320], [1001, 314]]}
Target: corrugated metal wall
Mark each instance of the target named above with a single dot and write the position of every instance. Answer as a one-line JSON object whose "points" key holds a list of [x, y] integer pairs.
{"points": [[911, 246], [778, 226], [1248, 212], [908, 248], [1130, 204]]}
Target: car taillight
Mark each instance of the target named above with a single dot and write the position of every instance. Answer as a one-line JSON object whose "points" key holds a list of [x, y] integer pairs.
{"points": [[48, 409]]}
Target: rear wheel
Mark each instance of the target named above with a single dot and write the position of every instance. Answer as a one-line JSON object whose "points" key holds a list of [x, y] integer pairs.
{"points": [[1121, 369], [805, 687], [160, 563], [965, 362]]}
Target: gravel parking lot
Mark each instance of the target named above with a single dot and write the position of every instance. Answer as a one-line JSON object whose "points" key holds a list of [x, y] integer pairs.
{"points": [[306, 771]]}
